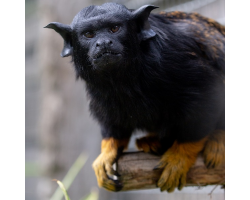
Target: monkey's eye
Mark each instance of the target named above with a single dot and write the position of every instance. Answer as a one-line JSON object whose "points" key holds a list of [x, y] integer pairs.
{"points": [[115, 29], [89, 34]]}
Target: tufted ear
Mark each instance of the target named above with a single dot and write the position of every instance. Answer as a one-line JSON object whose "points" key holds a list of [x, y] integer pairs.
{"points": [[65, 31], [141, 16]]}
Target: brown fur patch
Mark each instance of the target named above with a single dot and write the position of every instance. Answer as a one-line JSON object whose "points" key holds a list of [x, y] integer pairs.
{"points": [[195, 19], [176, 162], [204, 30], [103, 164], [148, 144], [214, 150]]}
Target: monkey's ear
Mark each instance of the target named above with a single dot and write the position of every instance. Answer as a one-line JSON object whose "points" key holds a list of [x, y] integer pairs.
{"points": [[65, 31], [141, 16]]}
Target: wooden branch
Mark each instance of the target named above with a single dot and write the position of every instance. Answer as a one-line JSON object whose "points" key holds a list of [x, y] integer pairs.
{"points": [[136, 170]]}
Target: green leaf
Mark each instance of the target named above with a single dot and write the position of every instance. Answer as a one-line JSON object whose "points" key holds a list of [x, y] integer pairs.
{"points": [[63, 189]]}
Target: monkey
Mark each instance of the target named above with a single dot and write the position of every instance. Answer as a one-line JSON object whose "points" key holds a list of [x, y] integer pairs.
{"points": [[161, 73]]}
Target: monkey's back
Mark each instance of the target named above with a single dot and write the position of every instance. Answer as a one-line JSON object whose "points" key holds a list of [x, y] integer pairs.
{"points": [[209, 34], [194, 18]]}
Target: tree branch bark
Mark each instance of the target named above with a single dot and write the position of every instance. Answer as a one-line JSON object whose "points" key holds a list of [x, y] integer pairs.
{"points": [[136, 170]]}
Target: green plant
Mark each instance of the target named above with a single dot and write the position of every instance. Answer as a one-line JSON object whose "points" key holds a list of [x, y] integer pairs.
{"points": [[69, 178]]}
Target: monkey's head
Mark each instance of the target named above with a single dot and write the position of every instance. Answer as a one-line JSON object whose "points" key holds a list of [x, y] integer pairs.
{"points": [[104, 37]]}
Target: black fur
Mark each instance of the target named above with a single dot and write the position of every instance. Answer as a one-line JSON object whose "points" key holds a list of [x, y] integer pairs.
{"points": [[170, 82]]}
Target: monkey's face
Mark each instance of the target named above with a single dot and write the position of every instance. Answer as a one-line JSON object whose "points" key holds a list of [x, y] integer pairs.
{"points": [[105, 47], [102, 38], [105, 37]]}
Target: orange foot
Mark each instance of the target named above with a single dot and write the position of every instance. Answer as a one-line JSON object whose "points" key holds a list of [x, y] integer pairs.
{"points": [[103, 164], [214, 151], [176, 162], [149, 144]]}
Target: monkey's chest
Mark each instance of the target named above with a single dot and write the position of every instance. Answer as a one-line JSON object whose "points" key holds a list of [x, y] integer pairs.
{"points": [[135, 111]]}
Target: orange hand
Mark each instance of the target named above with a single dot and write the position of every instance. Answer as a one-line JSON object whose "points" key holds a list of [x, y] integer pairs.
{"points": [[103, 164]]}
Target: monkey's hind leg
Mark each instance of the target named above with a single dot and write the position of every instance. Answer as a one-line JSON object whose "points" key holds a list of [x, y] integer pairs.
{"points": [[176, 162], [149, 144], [214, 150]]}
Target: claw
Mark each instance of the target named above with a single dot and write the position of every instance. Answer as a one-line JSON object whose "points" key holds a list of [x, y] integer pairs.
{"points": [[160, 166], [182, 182], [112, 185]]}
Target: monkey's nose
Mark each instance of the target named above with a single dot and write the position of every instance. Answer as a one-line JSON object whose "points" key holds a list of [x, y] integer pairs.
{"points": [[104, 43]]}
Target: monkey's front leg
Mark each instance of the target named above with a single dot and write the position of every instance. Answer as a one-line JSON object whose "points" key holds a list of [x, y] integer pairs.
{"points": [[103, 164]]}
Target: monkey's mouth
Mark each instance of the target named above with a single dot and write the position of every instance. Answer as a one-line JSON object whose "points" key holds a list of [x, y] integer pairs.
{"points": [[105, 54], [106, 58]]}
